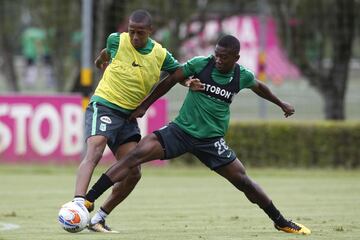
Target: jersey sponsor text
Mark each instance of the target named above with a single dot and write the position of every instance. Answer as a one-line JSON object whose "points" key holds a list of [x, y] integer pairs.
{"points": [[218, 91]]}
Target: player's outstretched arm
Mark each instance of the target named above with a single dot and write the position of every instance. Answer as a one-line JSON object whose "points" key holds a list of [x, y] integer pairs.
{"points": [[192, 83], [263, 91], [161, 89]]}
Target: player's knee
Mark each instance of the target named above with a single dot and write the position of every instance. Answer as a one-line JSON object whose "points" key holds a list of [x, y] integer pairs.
{"points": [[135, 174], [136, 156], [94, 154], [98, 152], [93, 157], [242, 181]]}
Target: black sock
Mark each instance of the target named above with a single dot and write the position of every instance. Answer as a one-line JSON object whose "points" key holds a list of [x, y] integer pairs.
{"points": [[103, 184], [275, 215], [79, 196], [101, 208]]}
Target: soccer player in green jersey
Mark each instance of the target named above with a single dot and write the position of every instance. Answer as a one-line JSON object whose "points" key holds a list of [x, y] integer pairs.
{"points": [[201, 125], [132, 62]]}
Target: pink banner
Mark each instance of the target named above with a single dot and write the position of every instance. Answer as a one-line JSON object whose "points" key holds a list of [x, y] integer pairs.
{"points": [[51, 128], [247, 30]]}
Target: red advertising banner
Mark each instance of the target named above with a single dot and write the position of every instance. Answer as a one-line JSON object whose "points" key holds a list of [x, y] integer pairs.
{"points": [[51, 128]]}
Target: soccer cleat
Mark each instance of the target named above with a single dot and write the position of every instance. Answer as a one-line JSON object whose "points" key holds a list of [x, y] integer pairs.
{"points": [[101, 227], [293, 227], [89, 205]]}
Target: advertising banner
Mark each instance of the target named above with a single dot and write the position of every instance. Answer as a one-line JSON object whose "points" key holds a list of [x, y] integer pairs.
{"points": [[51, 128]]}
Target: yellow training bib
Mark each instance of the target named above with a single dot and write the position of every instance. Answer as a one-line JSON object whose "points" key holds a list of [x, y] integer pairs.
{"points": [[131, 75]]}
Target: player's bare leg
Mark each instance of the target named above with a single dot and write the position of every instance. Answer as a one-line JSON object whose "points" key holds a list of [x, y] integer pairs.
{"points": [[95, 148], [235, 173], [149, 148], [120, 191]]}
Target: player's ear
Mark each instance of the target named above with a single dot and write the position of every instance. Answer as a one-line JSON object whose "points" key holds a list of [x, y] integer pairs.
{"points": [[150, 29]]}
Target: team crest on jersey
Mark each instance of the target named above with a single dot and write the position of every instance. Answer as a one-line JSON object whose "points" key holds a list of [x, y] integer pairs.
{"points": [[102, 127], [105, 119]]}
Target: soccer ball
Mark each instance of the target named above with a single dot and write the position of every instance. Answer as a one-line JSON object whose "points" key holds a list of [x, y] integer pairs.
{"points": [[73, 217]]}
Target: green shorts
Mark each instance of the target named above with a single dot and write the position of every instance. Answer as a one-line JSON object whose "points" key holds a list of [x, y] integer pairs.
{"points": [[213, 152], [111, 123]]}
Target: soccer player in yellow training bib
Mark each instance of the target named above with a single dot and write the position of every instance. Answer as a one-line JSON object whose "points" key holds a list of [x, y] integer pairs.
{"points": [[201, 125], [132, 62]]}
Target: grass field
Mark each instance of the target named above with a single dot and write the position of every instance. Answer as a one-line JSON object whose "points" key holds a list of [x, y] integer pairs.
{"points": [[186, 203]]}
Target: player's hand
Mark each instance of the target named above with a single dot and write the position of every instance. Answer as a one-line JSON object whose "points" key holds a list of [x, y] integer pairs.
{"points": [[287, 109], [137, 113], [101, 64], [195, 84]]}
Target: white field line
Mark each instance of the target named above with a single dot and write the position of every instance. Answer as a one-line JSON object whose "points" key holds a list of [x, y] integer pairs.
{"points": [[8, 226]]}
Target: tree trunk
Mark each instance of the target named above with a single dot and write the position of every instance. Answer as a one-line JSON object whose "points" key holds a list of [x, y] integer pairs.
{"points": [[7, 50], [334, 90], [330, 82], [101, 10], [8, 67], [334, 107]]}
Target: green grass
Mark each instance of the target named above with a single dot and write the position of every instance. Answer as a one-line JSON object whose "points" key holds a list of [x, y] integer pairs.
{"points": [[186, 203]]}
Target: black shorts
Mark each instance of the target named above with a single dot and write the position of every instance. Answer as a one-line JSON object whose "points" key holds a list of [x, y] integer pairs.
{"points": [[111, 123], [213, 152]]}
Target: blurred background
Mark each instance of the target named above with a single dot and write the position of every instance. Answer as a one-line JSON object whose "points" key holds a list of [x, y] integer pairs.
{"points": [[307, 51]]}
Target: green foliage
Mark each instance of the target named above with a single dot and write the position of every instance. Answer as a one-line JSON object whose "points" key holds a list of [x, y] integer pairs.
{"points": [[304, 144]]}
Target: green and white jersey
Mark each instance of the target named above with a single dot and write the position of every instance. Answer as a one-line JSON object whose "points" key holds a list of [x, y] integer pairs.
{"points": [[201, 115]]}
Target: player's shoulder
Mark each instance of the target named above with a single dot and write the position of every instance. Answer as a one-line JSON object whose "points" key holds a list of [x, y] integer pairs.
{"points": [[246, 71], [199, 60], [113, 38], [114, 35], [195, 65], [153, 42]]}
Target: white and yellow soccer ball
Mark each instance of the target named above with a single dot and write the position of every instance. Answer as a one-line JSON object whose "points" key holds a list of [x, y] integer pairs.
{"points": [[73, 217]]}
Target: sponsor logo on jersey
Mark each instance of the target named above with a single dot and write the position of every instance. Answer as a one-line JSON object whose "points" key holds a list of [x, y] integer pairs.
{"points": [[218, 91], [134, 64], [105, 119]]}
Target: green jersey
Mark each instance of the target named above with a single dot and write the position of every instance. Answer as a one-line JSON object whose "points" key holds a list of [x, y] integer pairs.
{"points": [[32, 41], [201, 115]]}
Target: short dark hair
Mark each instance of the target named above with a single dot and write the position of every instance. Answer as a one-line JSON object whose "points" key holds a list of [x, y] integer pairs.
{"points": [[230, 42], [141, 16]]}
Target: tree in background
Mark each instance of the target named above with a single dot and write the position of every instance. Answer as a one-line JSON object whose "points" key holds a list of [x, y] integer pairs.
{"points": [[9, 22], [59, 19], [319, 36]]}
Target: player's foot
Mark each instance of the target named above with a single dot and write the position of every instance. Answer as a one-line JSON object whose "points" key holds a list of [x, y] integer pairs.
{"points": [[89, 205], [101, 227], [293, 227]]}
